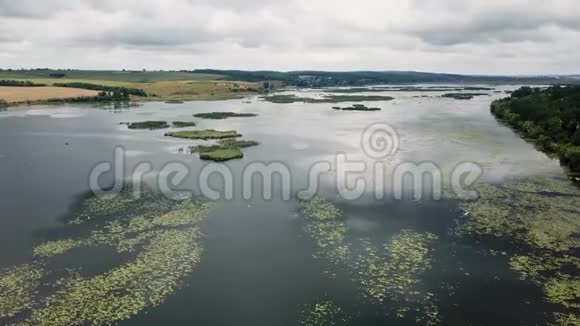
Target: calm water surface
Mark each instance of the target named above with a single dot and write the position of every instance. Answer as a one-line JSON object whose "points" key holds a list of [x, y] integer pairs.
{"points": [[258, 266]]}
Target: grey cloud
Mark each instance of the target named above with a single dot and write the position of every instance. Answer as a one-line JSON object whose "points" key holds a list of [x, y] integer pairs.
{"points": [[517, 25]]}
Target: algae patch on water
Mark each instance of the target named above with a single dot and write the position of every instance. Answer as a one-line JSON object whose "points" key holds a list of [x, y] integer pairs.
{"points": [[388, 274], [158, 240], [539, 219], [18, 289], [325, 313]]}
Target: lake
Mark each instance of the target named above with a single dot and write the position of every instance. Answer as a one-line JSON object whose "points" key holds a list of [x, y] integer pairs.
{"points": [[262, 263]]}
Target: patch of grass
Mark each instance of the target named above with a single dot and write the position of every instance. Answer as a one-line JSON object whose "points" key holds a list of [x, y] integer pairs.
{"points": [[203, 134], [150, 125], [223, 115], [183, 124], [280, 99]]}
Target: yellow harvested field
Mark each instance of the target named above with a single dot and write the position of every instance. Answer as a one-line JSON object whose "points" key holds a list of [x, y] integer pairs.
{"points": [[34, 94]]}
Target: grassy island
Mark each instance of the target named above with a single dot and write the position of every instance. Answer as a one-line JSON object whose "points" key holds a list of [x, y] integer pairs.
{"points": [[150, 125], [224, 150], [356, 107], [549, 118], [183, 124], [463, 96], [203, 134], [224, 115]]}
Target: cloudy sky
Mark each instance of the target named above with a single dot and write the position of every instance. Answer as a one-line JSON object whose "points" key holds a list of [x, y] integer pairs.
{"points": [[460, 36]]}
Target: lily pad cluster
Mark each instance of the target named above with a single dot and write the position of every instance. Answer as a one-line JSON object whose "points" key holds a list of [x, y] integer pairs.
{"points": [[325, 313], [388, 275], [158, 240], [539, 218]]}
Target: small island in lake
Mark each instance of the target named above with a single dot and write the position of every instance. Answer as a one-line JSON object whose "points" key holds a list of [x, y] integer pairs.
{"points": [[223, 115], [148, 125], [183, 124], [463, 96], [356, 107], [224, 150], [203, 134]]}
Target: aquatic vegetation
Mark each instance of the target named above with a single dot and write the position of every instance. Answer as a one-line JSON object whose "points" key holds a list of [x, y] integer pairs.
{"points": [[321, 209], [323, 314], [281, 99], [407, 256], [203, 134], [125, 291], [224, 115], [356, 107], [183, 124], [54, 248], [391, 272], [539, 215], [163, 237], [150, 125], [543, 219], [18, 287]]}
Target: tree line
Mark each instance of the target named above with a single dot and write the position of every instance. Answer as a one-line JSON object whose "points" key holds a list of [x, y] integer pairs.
{"points": [[549, 117], [19, 83], [121, 91]]}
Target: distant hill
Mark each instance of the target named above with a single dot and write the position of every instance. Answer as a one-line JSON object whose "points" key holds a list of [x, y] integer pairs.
{"points": [[309, 78]]}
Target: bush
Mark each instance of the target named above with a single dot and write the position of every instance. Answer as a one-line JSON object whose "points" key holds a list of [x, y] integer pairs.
{"points": [[571, 157]]}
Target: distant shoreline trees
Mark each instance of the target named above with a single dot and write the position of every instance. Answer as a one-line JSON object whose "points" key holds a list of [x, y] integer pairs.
{"points": [[548, 117]]}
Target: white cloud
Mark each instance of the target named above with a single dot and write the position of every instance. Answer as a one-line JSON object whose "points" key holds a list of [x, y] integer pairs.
{"points": [[478, 36]]}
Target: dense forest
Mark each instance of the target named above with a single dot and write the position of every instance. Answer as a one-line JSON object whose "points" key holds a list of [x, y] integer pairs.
{"points": [[549, 117]]}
